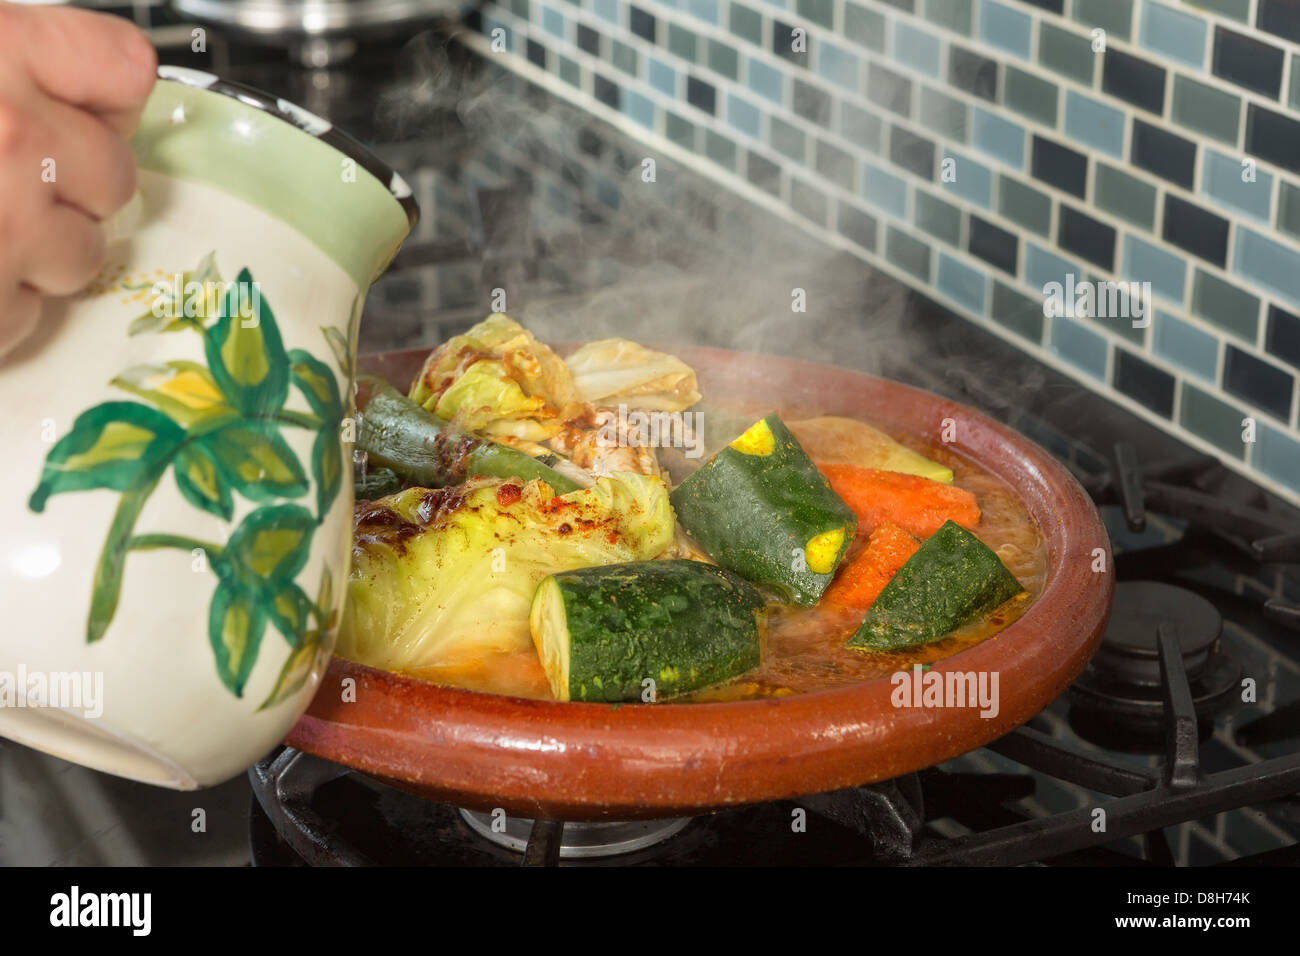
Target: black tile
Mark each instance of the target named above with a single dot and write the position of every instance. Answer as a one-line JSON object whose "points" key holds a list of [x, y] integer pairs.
{"points": [[606, 91], [1168, 156], [1247, 62], [588, 40], [811, 103], [1054, 6], [1274, 137], [701, 95], [994, 245], [783, 40], [1199, 232], [857, 226], [1144, 383], [835, 164], [1283, 335], [1264, 386], [536, 53], [973, 73], [912, 152], [1063, 168], [763, 173], [1086, 237], [889, 89], [642, 23], [1135, 80], [1281, 17]]}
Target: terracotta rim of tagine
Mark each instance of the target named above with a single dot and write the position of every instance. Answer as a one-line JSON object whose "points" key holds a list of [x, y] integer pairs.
{"points": [[578, 761]]}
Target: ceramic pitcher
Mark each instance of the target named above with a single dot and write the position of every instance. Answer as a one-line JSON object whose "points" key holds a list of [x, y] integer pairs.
{"points": [[175, 517]]}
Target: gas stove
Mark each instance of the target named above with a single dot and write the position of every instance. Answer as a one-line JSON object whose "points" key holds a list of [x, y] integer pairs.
{"points": [[1180, 744]]}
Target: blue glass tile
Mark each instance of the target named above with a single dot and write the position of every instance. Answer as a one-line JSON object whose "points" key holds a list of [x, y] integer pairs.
{"points": [[607, 10], [838, 65], [742, 115], [553, 22], [1221, 180], [639, 108], [1005, 28], [1166, 271], [916, 48], [1080, 346], [1042, 267], [1277, 455], [663, 77], [1269, 263], [1179, 36], [961, 283], [767, 81], [1094, 124], [1185, 345], [885, 190], [998, 137], [704, 9], [971, 181]]}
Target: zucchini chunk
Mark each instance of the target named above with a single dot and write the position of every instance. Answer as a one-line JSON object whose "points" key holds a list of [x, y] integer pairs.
{"points": [[760, 508], [952, 579], [601, 632]]}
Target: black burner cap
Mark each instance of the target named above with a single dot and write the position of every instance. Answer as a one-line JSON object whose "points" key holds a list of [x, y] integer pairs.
{"points": [[1129, 648]]}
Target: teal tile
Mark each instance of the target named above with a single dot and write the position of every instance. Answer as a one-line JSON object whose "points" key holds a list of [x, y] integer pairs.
{"points": [[1212, 419], [945, 116], [1166, 271], [1184, 345], [1230, 308], [820, 12], [998, 137], [1222, 180], [864, 26], [743, 115], [1113, 16], [916, 48], [1043, 267], [961, 283], [1277, 455], [747, 23], [1109, 314], [1029, 95], [1025, 205], [1066, 52], [1094, 124], [940, 219], [720, 149], [662, 77], [680, 131], [1173, 33], [1080, 346], [955, 15], [885, 190], [570, 72], [768, 82], [1295, 82], [1288, 208], [1205, 109], [1005, 28], [1128, 197], [970, 180], [839, 66], [1017, 312], [681, 42], [786, 139], [907, 253], [861, 127], [1268, 263], [704, 9], [640, 108], [624, 58], [723, 59], [1238, 10]]}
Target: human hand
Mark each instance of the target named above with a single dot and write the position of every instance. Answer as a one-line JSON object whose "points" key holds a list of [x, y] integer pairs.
{"points": [[72, 86]]}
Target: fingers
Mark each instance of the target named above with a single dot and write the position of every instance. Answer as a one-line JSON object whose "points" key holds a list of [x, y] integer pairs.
{"points": [[19, 313], [94, 168], [65, 251], [99, 62]]}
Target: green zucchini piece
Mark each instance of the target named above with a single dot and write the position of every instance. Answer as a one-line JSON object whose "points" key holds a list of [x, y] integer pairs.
{"points": [[952, 579], [600, 632], [421, 448], [376, 483], [761, 508]]}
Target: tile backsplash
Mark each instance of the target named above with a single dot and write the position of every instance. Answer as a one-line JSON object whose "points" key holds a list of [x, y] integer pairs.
{"points": [[981, 150]]}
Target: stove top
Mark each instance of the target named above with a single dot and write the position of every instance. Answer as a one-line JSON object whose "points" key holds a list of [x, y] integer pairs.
{"points": [[1179, 745]]}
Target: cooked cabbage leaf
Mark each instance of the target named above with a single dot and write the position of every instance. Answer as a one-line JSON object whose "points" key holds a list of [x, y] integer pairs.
{"points": [[497, 380], [614, 372], [442, 577]]}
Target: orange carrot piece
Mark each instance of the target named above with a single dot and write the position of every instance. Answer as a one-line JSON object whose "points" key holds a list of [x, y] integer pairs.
{"points": [[917, 505], [860, 581]]}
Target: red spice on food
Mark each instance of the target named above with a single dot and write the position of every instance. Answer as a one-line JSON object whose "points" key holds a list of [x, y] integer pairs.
{"points": [[508, 495]]}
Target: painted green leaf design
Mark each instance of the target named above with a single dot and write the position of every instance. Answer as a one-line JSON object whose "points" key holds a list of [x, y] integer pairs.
{"points": [[295, 672], [256, 460], [110, 446], [245, 352], [317, 383], [339, 346], [270, 546], [174, 318], [202, 483], [235, 627], [185, 391], [106, 586], [327, 469], [290, 611]]}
